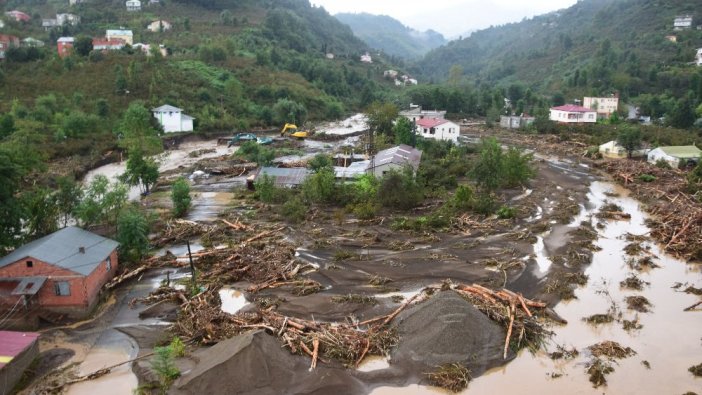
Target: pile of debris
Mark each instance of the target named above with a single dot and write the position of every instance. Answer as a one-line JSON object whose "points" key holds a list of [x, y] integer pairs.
{"points": [[676, 216]]}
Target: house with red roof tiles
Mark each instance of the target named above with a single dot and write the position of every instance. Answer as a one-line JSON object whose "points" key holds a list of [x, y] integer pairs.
{"points": [[438, 129], [571, 113]]}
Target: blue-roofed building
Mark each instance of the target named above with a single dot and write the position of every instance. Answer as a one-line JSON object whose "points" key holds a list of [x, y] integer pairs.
{"points": [[61, 273]]}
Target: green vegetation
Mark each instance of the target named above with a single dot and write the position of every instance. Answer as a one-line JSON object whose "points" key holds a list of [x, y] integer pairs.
{"points": [[101, 202], [132, 234], [180, 196], [496, 169]]}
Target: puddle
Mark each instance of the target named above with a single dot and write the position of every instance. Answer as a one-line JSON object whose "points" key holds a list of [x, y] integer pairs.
{"points": [[543, 261], [111, 350], [669, 339], [233, 300], [373, 363]]}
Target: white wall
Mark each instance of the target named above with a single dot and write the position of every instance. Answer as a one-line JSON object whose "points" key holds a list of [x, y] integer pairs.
{"points": [[448, 131], [173, 122], [567, 117]]}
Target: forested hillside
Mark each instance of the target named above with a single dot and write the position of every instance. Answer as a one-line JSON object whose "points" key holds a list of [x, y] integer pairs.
{"points": [[230, 64], [391, 36], [595, 47]]}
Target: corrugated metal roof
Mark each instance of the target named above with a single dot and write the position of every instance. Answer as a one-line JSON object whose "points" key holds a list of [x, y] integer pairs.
{"points": [[400, 155], [285, 177], [167, 108], [63, 249], [354, 169], [13, 344], [684, 151]]}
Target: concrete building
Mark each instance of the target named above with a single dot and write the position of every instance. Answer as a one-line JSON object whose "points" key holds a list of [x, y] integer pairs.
{"points": [[17, 352], [159, 26], [366, 58], [68, 19], [105, 44], [31, 42], [698, 57], [395, 158], [133, 5], [173, 119], [122, 34], [65, 46], [573, 114], [682, 22], [675, 154], [61, 273], [613, 150], [516, 121], [438, 129], [415, 113], [282, 177], [6, 42], [605, 106]]}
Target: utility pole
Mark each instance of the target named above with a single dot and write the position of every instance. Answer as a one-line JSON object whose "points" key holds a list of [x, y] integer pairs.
{"points": [[192, 265]]}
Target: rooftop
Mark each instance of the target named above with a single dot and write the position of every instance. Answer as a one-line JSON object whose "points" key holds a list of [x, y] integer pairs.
{"points": [[684, 151], [167, 108], [65, 40], [13, 344], [285, 177], [118, 32], [70, 248], [572, 108], [400, 155], [431, 122]]}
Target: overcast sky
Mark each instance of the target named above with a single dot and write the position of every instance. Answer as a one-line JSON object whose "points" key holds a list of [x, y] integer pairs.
{"points": [[449, 17]]}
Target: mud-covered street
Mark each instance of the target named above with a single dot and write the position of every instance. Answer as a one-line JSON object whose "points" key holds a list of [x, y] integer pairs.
{"points": [[601, 276]]}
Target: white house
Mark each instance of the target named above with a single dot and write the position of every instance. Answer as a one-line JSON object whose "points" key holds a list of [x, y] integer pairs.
{"points": [[121, 34], [31, 42], [682, 22], [613, 150], [698, 58], [366, 58], [74, 2], [573, 114], [438, 129], [674, 154], [159, 26], [2, 24], [70, 19], [173, 119], [133, 5], [605, 106]]}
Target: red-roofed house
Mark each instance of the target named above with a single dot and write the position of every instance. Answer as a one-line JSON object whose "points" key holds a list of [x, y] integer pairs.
{"points": [[571, 113], [19, 16], [7, 42], [17, 351], [105, 44], [65, 46], [438, 129]]}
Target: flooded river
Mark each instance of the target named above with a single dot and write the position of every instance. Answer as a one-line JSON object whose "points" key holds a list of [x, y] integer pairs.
{"points": [[669, 341]]}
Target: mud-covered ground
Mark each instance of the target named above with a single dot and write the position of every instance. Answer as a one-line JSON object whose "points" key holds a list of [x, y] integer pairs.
{"points": [[367, 269]]}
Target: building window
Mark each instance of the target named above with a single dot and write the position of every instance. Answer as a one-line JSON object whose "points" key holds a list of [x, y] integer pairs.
{"points": [[109, 263], [30, 264], [62, 288]]}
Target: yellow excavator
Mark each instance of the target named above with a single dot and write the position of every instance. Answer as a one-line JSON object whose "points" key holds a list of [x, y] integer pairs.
{"points": [[291, 130]]}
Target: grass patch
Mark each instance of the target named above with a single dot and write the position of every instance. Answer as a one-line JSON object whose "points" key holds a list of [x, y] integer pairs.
{"points": [[306, 287], [633, 282], [611, 349], [696, 370], [598, 319], [355, 298], [451, 376]]}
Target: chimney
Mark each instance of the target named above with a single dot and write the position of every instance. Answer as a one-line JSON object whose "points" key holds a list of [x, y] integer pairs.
{"points": [[81, 250]]}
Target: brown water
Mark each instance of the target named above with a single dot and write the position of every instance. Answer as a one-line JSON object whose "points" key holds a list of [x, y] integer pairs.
{"points": [[670, 340]]}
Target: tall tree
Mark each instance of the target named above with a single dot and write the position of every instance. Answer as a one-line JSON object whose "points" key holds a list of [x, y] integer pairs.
{"points": [[630, 139], [132, 234], [137, 132], [180, 195], [68, 197], [140, 171], [381, 117]]}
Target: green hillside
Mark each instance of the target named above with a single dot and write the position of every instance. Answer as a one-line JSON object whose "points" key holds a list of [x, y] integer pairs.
{"points": [[595, 47], [230, 64], [392, 37]]}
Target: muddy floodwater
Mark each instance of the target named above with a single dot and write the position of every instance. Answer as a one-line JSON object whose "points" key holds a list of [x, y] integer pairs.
{"points": [[668, 343]]}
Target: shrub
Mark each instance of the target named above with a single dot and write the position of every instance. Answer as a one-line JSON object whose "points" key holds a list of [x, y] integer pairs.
{"points": [[647, 177], [365, 210], [320, 161], [463, 199], [268, 192], [163, 364], [662, 164], [506, 212], [400, 190], [132, 234], [320, 187], [294, 210], [180, 195]]}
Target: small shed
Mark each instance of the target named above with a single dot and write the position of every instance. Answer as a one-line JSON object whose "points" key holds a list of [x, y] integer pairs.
{"points": [[613, 150], [283, 177], [395, 158], [675, 154], [17, 351]]}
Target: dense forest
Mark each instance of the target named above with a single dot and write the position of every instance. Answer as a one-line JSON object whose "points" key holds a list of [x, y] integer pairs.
{"points": [[391, 36]]}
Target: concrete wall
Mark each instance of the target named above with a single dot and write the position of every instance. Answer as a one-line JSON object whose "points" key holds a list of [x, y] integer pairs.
{"points": [[11, 373]]}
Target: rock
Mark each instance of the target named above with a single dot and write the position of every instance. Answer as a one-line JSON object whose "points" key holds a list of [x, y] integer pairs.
{"points": [[255, 363], [448, 329]]}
